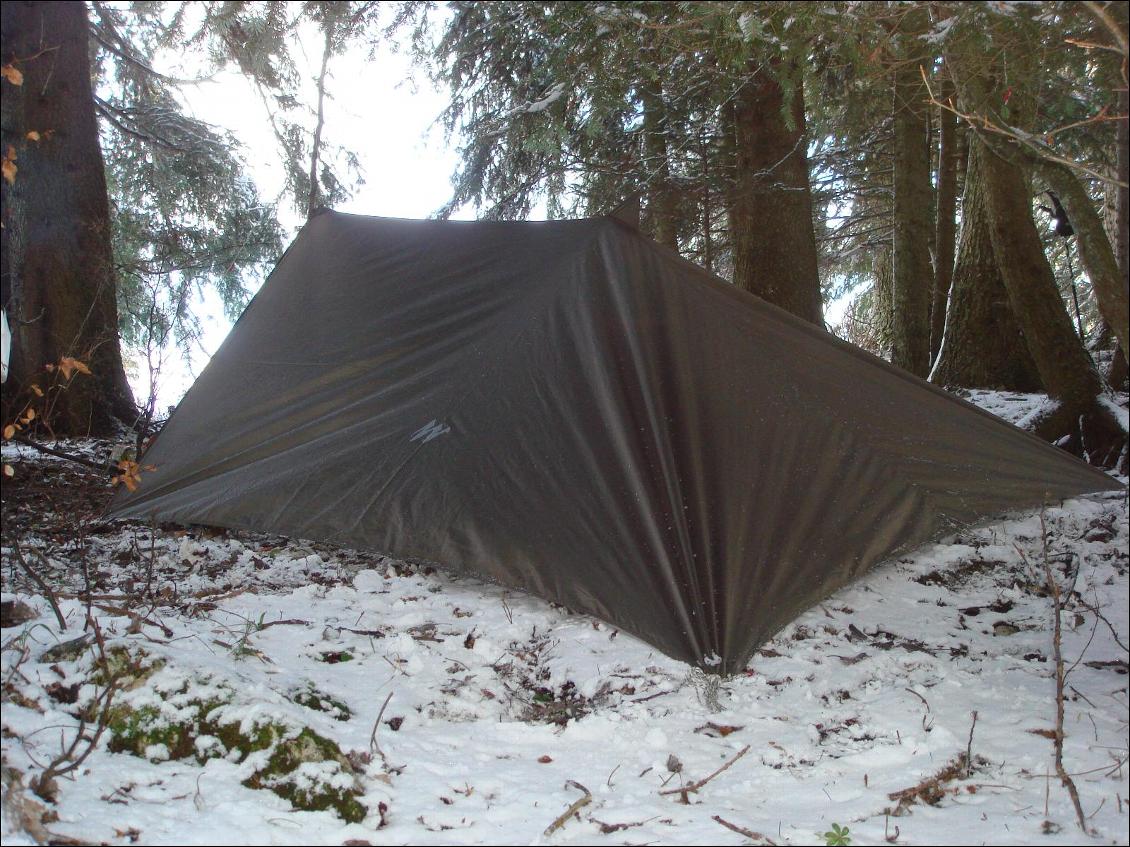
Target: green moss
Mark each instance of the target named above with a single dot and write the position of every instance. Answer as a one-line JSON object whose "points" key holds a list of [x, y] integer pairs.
{"points": [[286, 776], [319, 701], [302, 767], [127, 668], [323, 797], [136, 729]]}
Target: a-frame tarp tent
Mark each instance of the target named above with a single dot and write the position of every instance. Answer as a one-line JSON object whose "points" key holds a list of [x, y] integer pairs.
{"points": [[571, 409]]}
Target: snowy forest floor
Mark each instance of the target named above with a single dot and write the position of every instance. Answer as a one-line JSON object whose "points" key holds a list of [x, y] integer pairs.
{"points": [[233, 677]]}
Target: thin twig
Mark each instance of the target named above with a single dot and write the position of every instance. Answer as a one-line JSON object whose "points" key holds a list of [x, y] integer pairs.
{"points": [[1060, 675], [374, 745], [695, 786], [969, 746], [43, 586]]}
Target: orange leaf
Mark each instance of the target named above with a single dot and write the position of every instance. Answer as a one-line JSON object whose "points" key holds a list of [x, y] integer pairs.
{"points": [[38, 391], [13, 74], [9, 431], [9, 470], [33, 135], [69, 364], [29, 415], [8, 169]]}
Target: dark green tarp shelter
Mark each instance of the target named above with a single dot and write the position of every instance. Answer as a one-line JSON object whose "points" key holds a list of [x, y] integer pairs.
{"points": [[571, 409]]}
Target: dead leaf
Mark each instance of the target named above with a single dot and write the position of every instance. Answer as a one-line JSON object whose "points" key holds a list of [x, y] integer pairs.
{"points": [[9, 431], [8, 166], [9, 470], [716, 730], [69, 364], [13, 74], [32, 135], [545, 760]]}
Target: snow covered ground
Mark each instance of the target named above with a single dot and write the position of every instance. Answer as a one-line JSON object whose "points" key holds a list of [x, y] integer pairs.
{"points": [[917, 706]]}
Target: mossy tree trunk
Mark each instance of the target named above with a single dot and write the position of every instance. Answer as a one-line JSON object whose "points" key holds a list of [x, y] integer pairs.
{"points": [[59, 276]]}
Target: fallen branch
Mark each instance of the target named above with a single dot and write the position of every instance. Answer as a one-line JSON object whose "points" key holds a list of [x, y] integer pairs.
{"points": [[653, 696], [741, 830], [137, 618], [287, 622], [695, 786], [70, 457], [575, 807]]}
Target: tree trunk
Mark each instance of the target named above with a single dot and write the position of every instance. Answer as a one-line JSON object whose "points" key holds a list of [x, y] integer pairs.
{"points": [[983, 346], [912, 276], [774, 244], [662, 209], [1064, 366], [315, 200], [707, 211], [949, 153], [56, 236], [1121, 224]]}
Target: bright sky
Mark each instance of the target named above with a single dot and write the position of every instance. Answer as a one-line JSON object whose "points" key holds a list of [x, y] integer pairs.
{"points": [[381, 108]]}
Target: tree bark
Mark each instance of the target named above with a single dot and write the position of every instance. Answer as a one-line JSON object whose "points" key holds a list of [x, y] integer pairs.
{"points": [[1064, 367], [1081, 422], [949, 154], [771, 230], [913, 278], [1122, 211], [1121, 225], [983, 346], [1095, 249], [61, 292], [882, 273]]}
